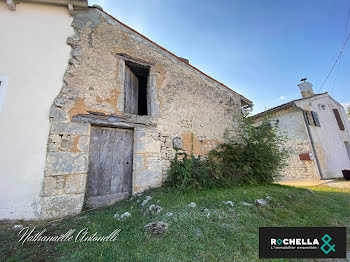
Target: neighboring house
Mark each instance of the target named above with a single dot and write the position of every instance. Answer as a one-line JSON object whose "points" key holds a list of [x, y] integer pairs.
{"points": [[318, 135], [91, 110]]}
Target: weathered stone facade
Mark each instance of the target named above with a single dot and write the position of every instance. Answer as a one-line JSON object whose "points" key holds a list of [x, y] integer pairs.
{"points": [[186, 109], [290, 123]]}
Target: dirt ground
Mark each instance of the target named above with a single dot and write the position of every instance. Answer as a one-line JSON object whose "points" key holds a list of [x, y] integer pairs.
{"points": [[338, 183]]}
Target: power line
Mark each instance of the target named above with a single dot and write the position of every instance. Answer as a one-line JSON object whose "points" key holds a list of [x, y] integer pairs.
{"points": [[338, 57], [346, 31], [347, 22], [335, 63], [335, 76]]}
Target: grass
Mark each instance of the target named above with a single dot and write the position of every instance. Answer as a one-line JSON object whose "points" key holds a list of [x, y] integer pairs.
{"points": [[228, 234]]}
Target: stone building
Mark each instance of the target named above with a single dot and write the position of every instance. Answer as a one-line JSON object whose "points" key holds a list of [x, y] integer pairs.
{"points": [[318, 135], [92, 111]]}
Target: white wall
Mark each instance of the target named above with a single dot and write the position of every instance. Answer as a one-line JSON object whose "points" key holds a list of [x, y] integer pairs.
{"points": [[328, 138], [34, 56]]}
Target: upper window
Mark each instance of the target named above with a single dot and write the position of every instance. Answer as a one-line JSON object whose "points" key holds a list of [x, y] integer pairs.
{"points": [[135, 86], [338, 118], [312, 118]]}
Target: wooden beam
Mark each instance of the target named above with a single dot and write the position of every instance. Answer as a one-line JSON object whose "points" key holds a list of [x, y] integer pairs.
{"points": [[11, 5], [127, 121], [134, 60]]}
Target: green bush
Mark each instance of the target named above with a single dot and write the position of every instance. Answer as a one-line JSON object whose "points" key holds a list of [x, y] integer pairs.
{"points": [[256, 155], [188, 171]]}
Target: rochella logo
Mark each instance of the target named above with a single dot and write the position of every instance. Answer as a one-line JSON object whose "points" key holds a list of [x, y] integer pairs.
{"points": [[295, 241], [326, 239], [326, 247]]}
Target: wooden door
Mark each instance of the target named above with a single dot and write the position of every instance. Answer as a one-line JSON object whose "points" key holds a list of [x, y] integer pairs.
{"points": [[131, 89], [110, 166]]}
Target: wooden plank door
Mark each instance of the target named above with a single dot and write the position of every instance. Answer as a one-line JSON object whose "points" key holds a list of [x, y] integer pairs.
{"points": [[110, 166], [131, 89]]}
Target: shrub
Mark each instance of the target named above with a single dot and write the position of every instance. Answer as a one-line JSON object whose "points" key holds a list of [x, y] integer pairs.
{"points": [[255, 155], [188, 171]]}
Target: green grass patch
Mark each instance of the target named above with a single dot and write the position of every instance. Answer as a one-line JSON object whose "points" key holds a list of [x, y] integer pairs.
{"points": [[227, 234]]}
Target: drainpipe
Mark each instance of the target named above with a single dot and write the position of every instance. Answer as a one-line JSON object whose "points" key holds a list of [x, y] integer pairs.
{"points": [[311, 140]]}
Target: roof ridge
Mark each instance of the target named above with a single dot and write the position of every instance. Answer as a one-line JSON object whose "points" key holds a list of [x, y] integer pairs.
{"points": [[164, 49]]}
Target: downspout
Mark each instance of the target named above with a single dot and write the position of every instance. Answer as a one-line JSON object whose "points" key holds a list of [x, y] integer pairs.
{"points": [[311, 140]]}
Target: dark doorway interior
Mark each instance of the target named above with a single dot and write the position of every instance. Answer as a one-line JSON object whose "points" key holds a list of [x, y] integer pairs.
{"points": [[142, 101]]}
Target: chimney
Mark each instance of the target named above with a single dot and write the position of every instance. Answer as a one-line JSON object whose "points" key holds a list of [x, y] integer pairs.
{"points": [[185, 60], [305, 88]]}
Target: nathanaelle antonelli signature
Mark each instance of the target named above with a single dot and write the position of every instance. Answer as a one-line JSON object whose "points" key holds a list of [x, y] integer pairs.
{"points": [[30, 234]]}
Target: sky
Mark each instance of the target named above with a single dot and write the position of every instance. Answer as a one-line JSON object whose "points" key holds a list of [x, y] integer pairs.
{"points": [[259, 48]]}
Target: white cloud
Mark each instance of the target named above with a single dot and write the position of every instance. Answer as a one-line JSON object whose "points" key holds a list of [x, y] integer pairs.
{"points": [[282, 97], [346, 106]]}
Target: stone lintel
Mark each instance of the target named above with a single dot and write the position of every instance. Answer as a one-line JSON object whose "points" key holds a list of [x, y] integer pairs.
{"points": [[115, 121], [134, 60]]}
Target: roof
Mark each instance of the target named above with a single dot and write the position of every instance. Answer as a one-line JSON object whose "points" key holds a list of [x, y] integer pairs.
{"points": [[285, 105], [76, 3], [246, 100]]}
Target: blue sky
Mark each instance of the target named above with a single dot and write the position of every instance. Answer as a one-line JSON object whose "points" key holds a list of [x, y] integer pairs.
{"points": [[259, 48]]}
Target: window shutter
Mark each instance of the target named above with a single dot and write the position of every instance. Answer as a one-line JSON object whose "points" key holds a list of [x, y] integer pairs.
{"points": [[338, 118], [308, 117], [315, 118]]}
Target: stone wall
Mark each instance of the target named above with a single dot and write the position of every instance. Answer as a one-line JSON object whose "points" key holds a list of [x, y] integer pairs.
{"points": [[183, 104], [66, 168], [147, 159], [291, 124]]}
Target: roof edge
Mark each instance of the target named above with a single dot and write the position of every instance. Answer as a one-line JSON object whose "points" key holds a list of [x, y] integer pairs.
{"points": [[274, 109], [288, 104], [178, 58], [76, 3]]}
